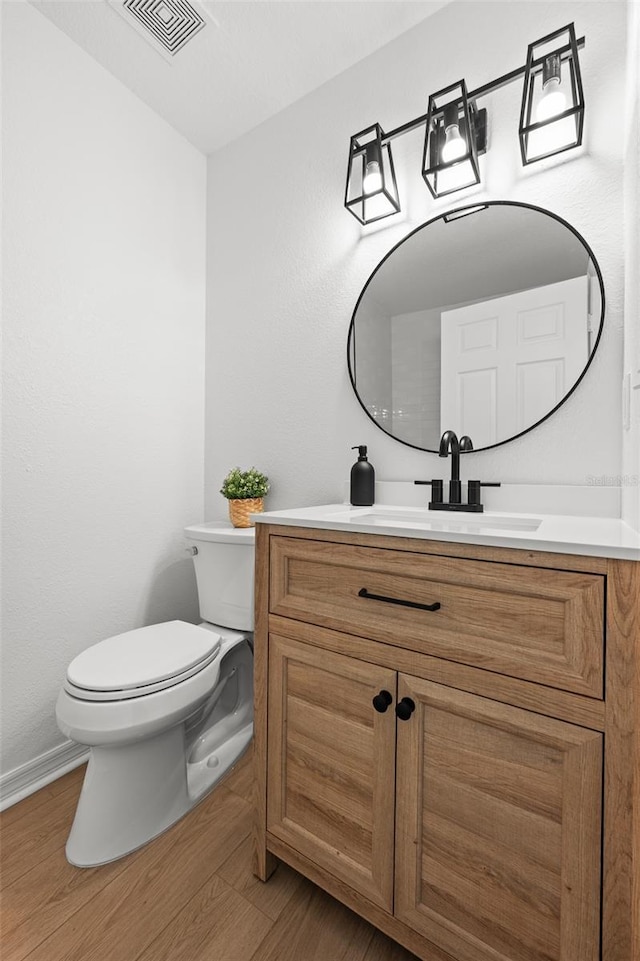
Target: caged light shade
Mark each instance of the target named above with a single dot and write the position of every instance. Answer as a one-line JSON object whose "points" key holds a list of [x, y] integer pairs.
{"points": [[371, 191], [455, 134], [552, 112]]}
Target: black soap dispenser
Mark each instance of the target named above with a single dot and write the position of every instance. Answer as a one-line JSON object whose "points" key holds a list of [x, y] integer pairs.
{"points": [[363, 478]]}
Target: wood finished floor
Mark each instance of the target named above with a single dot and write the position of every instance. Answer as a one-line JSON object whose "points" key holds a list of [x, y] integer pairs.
{"points": [[187, 896]]}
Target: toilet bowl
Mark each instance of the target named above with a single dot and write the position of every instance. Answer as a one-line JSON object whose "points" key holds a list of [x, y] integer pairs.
{"points": [[165, 709]]}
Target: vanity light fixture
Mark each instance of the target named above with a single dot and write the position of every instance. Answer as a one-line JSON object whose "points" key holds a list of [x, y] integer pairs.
{"points": [[456, 133], [372, 190], [551, 121], [552, 114]]}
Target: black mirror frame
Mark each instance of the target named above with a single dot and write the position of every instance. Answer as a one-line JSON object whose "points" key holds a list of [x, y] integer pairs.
{"points": [[459, 212]]}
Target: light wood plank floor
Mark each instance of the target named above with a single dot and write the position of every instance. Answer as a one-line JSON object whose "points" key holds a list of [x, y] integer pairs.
{"points": [[187, 896]]}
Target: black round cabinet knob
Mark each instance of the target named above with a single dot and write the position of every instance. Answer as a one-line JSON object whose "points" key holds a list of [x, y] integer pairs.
{"points": [[382, 701], [405, 709]]}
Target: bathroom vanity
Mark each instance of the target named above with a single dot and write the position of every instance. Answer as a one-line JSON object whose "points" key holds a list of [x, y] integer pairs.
{"points": [[447, 728]]}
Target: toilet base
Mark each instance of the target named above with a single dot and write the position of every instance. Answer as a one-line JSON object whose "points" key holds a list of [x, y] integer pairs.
{"points": [[134, 793], [204, 774], [131, 793]]}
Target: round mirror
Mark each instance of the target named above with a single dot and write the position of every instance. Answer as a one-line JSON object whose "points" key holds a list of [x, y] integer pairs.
{"points": [[482, 321]]}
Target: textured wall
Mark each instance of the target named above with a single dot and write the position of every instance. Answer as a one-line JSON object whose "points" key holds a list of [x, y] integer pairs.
{"points": [[631, 436], [286, 261], [104, 244]]}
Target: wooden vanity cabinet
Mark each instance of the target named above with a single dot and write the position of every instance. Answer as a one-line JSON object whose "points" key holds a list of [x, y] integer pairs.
{"points": [[472, 827], [498, 824], [332, 764]]}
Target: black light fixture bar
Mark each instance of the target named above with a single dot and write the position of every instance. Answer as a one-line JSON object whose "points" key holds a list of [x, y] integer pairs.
{"points": [[480, 91], [455, 129], [520, 71]]}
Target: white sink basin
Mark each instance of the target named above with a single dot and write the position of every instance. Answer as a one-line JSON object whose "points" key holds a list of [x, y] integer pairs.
{"points": [[408, 518]]}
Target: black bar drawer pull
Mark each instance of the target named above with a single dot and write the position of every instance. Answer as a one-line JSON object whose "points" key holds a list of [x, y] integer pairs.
{"points": [[363, 592]]}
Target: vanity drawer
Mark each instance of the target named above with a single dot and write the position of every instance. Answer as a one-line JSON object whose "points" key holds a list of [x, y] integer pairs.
{"points": [[533, 623]]}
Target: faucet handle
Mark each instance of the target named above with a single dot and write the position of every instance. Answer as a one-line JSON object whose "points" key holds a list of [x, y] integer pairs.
{"points": [[473, 490], [437, 490]]}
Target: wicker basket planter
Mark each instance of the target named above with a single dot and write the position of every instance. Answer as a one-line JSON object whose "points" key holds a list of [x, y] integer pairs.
{"points": [[239, 510]]}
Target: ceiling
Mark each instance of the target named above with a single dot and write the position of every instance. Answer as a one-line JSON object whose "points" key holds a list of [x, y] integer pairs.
{"points": [[252, 59]]}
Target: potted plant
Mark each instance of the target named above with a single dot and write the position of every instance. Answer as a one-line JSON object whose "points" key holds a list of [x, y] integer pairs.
{"points": [[245, 490]]}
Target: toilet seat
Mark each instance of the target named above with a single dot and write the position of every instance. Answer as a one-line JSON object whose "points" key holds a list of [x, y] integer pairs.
{"points": [[141, 662]]}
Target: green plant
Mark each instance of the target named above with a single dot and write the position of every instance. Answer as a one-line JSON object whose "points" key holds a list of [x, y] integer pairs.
{"points": [[241, 484]]}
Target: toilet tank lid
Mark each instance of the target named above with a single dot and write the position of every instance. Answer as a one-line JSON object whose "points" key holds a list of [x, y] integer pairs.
{"points": [[221, 532]]}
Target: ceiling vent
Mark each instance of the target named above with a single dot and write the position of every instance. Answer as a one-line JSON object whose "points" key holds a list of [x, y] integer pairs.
{"points": [[168, 25]]}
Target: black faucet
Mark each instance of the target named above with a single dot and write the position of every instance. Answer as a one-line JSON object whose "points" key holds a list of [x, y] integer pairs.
{"points": [[449, 443]]}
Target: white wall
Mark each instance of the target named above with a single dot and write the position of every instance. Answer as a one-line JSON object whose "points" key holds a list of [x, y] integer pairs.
{"points": [[104, 270], [286, 261], [631, 436]]}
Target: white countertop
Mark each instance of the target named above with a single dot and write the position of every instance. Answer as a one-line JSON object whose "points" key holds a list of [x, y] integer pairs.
{"points": [[558, 533]]}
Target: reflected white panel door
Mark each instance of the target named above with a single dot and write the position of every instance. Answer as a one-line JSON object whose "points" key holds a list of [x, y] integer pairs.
{"points": [[507, 362]]}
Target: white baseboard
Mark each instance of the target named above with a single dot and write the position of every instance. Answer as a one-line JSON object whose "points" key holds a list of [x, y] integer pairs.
{"points": [[30, 777]]}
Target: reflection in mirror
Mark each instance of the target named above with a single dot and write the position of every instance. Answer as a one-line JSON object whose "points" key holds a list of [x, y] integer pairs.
{"points": [[481, 321]]}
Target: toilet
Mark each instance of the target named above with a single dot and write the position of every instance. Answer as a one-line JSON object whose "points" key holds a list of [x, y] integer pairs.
{"points": [[166, 709]]}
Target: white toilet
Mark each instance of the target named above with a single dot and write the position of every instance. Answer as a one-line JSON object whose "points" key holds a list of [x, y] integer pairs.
{"points": [[166, 709]]}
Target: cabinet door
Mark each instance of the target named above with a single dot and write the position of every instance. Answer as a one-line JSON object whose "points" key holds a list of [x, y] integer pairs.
{"points": [[498, 829], [332, 764]]}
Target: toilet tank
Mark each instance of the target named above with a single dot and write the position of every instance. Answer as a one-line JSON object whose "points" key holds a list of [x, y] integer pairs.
{"points": [[224, 566]]}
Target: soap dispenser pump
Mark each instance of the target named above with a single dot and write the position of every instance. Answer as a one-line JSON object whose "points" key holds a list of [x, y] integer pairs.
{"points": [[363, 478]]}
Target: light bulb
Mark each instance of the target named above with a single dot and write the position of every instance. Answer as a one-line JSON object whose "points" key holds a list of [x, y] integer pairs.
{"points": [[372, 180], [454, 146], [552, 102]]}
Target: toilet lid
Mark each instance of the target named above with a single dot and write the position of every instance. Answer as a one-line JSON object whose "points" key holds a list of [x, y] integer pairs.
{"points": [[147, 657]]}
